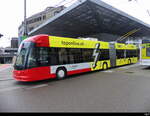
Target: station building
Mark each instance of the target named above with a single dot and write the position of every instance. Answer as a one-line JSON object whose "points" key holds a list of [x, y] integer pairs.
{"points": [[96, 19]]}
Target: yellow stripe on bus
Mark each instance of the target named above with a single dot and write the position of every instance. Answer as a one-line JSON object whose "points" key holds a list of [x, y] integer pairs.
{"points": [[75, 43], [123, 46]]}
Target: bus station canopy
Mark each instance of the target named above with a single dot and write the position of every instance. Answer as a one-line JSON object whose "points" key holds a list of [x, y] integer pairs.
{"points": [[89, 17]]}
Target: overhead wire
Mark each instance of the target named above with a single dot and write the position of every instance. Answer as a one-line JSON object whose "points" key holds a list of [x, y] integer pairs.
{"points": [[65, 2], [128, 34]]}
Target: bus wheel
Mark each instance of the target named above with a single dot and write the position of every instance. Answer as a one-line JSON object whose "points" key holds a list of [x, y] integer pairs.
{"points": [[105, 66], [61, 73]]}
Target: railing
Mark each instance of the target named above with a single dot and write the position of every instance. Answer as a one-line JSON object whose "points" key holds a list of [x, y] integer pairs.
{"points": [[7, 55]]}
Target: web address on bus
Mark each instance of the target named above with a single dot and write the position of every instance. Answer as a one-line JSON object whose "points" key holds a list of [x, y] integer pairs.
{"points": [[72, 43]]}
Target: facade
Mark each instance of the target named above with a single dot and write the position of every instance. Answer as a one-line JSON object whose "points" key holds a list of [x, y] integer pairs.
{"points": [[7, 54], [39, 18], [14, 42], [96, 19]]}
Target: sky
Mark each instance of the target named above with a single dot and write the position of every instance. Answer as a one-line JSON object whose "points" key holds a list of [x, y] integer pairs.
{"points": [[12, 13]]}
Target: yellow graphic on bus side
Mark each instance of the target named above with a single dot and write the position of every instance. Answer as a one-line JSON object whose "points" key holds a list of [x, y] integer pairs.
{"points": [[75, 43], [100, 65], [124, 46]]}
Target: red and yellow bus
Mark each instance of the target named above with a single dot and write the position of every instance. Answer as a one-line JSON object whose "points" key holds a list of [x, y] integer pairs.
{"points": [[43, 57]]}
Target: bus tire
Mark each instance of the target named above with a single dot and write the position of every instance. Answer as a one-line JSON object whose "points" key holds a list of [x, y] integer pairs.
{"points": [[61, 73], [105, 66]]}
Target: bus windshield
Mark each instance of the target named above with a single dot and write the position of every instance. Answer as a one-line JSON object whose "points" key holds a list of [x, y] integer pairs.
{"points": [[22, 56]]}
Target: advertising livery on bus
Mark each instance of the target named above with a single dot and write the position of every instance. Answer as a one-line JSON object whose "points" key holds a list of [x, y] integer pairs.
{"points": [[43, 57]]}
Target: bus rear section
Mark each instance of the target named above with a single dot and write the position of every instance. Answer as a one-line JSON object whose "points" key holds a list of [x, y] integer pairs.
{"points": [[145, 54], [126, 54]]}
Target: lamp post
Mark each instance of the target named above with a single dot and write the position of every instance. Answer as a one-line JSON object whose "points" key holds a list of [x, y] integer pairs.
{"points": [[25, 21], [24, 34]]}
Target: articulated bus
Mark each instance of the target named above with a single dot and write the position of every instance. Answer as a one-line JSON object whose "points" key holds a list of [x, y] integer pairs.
{"points": [[43, 57], [145, 54]]}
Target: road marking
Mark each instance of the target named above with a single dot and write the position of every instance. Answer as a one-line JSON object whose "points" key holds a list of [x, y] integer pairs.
{"points": [[9, 89], [4, 68], [4, 65], [109, 71], [6, 79], [37, 86], [127, 67], [25, 88]]}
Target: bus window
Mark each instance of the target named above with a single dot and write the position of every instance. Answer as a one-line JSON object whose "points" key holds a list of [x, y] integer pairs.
{"points": [[63, 56], [43, 56], [75, 55], [32, 58], [104, 54], [87, 55], [120, 54], [78, 57], [148, 52], [53, 56]]}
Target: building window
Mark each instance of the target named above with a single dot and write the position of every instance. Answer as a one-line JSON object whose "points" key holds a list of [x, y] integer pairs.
{"points": [[56, 12], [44, 17], [31, 28]]}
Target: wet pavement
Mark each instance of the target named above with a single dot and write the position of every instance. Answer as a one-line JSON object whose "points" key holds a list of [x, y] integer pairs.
{"points": [[122, 89], [5, 72]]}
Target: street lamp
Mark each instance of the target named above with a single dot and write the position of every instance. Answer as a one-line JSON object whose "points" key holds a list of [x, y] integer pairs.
{"points": [[25, 21]]}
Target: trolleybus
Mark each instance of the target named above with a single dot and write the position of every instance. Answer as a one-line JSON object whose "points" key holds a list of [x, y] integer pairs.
{"points": [[145, 53], [43, 57]]}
